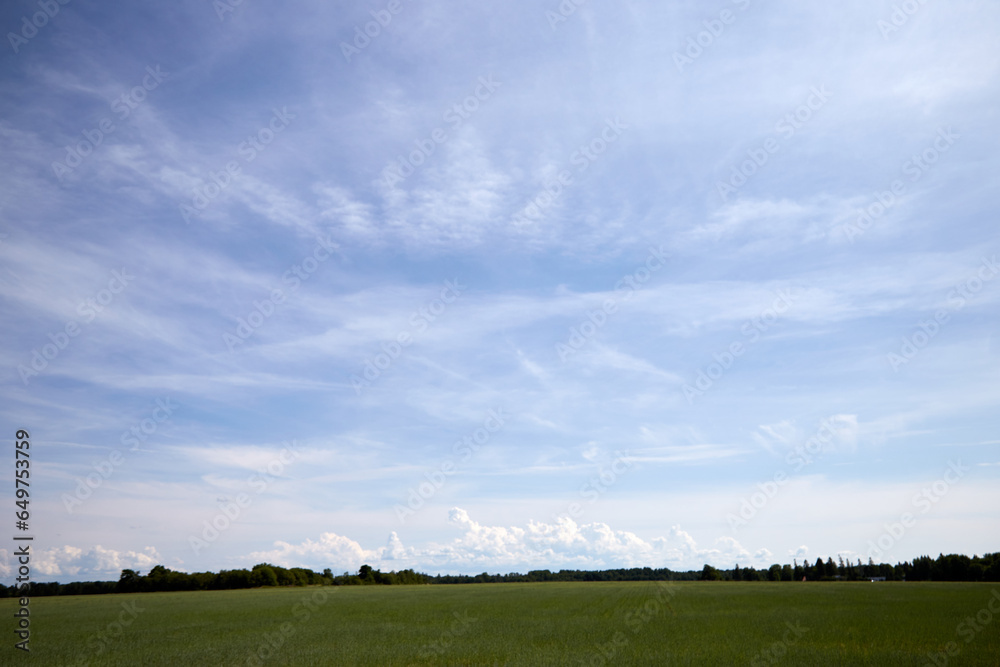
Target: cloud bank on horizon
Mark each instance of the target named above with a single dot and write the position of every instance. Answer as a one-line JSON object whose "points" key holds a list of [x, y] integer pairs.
{"points": [[468, 289]]}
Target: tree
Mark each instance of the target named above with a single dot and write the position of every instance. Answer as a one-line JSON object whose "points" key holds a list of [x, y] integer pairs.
{"points": [[263, 575], [158, 572], [993, 569], [921, 569], [285, 577], [230, 579], [129, 582], [709, 573]]}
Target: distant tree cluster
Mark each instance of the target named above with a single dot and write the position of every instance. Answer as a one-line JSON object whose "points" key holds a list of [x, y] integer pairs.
{"points": [[944, 568], [161, 578], [367, 576], [632, 574], [952, 567]]}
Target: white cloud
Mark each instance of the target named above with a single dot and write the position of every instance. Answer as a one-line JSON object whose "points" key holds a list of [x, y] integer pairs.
{"points": [[562, 544], [68, 561], [800, 553], [825, 357], [330, 550], [782, 434]]}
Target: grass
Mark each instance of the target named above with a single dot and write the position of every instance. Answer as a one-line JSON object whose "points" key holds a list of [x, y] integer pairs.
{"points": [[628, 623]]}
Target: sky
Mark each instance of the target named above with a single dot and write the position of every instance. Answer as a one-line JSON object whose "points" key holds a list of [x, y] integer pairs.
{"points": [[498, 288]]}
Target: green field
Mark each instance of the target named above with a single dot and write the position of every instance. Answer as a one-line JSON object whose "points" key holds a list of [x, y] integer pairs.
{"points": [[629, 623]]}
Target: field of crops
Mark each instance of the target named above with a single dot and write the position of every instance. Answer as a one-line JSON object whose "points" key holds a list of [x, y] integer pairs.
{"points": [[632, 623]]}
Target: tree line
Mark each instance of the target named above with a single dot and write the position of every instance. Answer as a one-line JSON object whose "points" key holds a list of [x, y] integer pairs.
{"points": [[161, 578], [631, 574], [953, 567]]}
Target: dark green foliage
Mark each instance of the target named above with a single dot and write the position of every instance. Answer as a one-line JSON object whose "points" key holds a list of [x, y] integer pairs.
{"points": [[631, 574], [161, 578], [264, 575], [368, 576], [945, 568]]}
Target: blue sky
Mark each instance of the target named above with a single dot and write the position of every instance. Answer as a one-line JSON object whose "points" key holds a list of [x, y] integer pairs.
{"points": [[500, 288]]}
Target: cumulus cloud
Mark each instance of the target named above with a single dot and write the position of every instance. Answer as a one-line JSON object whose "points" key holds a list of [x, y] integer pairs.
{"points": [[93, 563], [334, 550], [564, 544], [801, 552]]}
